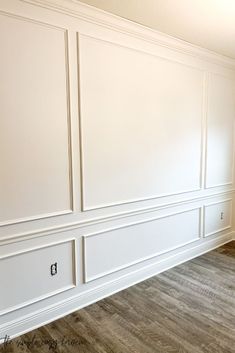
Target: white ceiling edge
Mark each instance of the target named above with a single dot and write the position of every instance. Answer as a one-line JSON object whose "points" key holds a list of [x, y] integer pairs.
{"points": [[206, 23]]}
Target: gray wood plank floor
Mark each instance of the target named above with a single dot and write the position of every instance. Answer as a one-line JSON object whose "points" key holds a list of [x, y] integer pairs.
{"points": [[190, 308]]}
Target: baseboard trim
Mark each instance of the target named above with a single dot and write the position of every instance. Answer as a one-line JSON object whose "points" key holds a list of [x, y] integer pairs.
{"points": [[39, 318]]}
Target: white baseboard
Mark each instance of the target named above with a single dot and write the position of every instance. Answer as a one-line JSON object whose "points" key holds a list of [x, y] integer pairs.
{"points": [[60, 309]]}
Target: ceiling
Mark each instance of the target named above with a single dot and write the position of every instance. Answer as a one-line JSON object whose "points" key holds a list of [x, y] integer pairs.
{"points": [[207, 23]]}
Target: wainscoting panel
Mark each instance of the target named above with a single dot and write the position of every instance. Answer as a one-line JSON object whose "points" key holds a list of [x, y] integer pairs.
{"points": [[113, 137], [217, 217], [115, 249], [26, 276], [141, 124], [34, 125], [220, 131]]}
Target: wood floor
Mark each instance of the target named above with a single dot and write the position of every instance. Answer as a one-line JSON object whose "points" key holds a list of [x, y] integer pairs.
{"points": [[190, 308]]}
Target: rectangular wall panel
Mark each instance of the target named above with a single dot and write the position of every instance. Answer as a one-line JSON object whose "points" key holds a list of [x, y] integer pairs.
{"points": [[34, 111], [28, 274], [220, 130], [141, 124], [217, 217], [112, 250]]}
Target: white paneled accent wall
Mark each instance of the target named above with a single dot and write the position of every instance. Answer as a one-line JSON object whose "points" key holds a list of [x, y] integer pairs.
{"points": [[143, 126], [112, 250], [34, 124], [218, 217], [36, 276], [116, 156], [220, 131]]}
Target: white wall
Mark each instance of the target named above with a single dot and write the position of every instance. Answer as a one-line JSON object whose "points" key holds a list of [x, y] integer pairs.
{"points": [[116, 156]]}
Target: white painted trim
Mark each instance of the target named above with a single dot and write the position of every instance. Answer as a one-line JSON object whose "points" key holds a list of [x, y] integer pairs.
{"points": [[229, 183], [50, 313], [205, 235], [202, 220], [102, 18], [84, 296], [140, 222], [204, 130], [97, 220], [69, 145], [219, 185], [85, 208], [31, 20], [80, 123], [35, 248], [119, 268], [75, 261], [30, 302], [35, 218], [130, 201], [218, 231], [217, 202], [69, 123], [88, 279], [50, 294]]}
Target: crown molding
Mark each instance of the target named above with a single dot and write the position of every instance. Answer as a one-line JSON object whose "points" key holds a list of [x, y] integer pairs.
{"points": [[100, 17]]}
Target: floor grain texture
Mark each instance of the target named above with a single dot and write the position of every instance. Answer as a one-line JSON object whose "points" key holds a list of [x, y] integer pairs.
{"points": [[188, 309]]}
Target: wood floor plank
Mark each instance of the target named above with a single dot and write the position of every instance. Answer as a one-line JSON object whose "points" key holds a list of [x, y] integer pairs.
{"points": [[188, 309]]}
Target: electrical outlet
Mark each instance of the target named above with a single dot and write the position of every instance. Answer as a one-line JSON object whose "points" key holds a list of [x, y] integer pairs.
{"points": [[54, 269], [222, 215]]}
